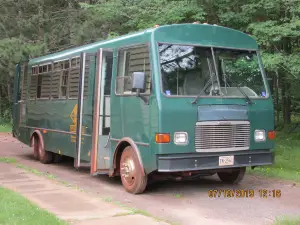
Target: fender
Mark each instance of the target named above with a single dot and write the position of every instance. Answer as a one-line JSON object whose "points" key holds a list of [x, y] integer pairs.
{"points": [[135, 148], [39, 134]]}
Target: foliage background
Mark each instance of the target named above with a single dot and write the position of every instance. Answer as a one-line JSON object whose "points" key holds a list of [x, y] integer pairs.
{"points": [[29, 28]]}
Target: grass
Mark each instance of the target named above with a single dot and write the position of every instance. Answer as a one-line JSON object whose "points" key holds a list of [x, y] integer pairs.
{"points": [[131, 211], [287, 158], [16, 210], [5, 128], [7, 160], [178, 195], [287, 221]]}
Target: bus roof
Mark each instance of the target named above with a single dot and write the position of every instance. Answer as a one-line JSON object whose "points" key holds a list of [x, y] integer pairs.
{"points": [[195, 34]]}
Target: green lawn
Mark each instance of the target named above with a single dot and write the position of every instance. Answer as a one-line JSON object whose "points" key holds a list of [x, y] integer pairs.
{"points": [[287, 159], [16, 210], [287, 221], [5, 128]]}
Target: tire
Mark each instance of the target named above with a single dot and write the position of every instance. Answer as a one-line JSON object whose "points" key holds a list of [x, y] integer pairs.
{"points": [[36, 148], [131, 175], [233, 177], [45, 157]]}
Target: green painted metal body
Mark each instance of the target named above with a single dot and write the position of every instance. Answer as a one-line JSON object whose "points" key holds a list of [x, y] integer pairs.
{"points": [[130, 116]]}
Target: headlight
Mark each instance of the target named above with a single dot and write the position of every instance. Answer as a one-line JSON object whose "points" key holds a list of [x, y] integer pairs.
{"points": [[180, 138], [259, 135]]}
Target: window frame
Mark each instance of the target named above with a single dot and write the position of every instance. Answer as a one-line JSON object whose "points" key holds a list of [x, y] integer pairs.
{"points": [[124, 48], [77, 66], [62, 71], [264, 76]]}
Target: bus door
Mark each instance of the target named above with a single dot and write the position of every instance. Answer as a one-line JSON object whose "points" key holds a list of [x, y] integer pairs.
{"points": [[19, 106], [93, 112], [101, 115], [83, 117]]}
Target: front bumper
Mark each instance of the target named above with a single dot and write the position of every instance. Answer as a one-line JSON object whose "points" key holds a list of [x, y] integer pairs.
{"points": [[207, 161]]}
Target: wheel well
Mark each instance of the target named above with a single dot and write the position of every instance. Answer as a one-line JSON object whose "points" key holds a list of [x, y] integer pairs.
{"points": [[33, 136], [118, 154]]}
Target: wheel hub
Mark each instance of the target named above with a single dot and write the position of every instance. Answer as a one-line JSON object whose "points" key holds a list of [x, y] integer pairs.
{"points": [[128, 171]]}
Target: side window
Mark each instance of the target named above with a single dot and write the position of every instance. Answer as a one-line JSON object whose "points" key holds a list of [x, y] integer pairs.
{"points": [[64, 84], [40, 82], [74, 77], [33, 86], [55, 80], [107, 92], [133, 59], [64, 79], [39, 86], [23, 81]]}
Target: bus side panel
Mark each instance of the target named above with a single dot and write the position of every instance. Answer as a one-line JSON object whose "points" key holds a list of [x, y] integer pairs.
{"points": [[53, 118], [24, 136]]}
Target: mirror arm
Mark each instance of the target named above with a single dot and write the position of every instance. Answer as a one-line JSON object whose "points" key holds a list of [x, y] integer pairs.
{"points": [[142, 96]]}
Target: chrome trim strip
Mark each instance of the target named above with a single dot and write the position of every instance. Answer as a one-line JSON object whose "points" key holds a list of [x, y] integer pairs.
{"points": [[223, 122], [57, 131], [223, 149]]}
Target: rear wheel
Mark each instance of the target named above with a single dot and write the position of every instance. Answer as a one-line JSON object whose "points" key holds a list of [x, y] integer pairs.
{"points": [[45, 157], [131, 175], [233, 177], [36, 148]]}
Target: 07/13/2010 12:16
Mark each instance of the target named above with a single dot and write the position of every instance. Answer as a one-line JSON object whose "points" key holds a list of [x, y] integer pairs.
{"points": [[244, 193]]}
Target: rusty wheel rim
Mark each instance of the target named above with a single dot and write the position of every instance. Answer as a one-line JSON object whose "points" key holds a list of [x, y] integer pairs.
{"points": [[128, 171]]}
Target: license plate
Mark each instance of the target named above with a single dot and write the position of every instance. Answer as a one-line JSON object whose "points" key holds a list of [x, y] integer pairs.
{"points": [[226, 160]]}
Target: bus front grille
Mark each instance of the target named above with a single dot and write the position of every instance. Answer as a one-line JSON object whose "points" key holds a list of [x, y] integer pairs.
{"points": [[214, 136]]}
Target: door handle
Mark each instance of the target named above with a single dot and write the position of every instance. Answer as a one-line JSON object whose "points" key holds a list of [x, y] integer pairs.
{"points": [[107, 140]]}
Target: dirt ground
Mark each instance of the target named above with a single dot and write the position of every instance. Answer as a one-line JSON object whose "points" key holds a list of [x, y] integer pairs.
{"points": [[184, 202]]}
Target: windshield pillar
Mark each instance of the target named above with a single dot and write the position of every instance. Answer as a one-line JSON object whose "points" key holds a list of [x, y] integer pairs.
{"points": [[216, 74]]}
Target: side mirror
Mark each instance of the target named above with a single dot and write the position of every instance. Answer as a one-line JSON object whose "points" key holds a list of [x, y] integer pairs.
{"points": [[139, 85], [138, 82]]}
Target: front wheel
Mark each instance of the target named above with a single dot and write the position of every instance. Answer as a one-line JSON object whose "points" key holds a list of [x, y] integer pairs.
{"points": [[233, 177], [131, 175]]}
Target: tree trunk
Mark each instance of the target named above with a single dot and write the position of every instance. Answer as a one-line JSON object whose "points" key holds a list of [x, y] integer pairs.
{"points": [[9, 94], [288, 102], [277, 98], [282, 98]]}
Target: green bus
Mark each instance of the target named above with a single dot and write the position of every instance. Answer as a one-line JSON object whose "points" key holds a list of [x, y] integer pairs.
{"points": [[172, 101]]}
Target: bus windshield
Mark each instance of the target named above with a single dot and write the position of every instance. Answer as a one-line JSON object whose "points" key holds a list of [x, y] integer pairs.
{"points": [[204, 71]]}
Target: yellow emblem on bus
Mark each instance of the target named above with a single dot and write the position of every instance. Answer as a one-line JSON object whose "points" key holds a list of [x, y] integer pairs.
{"points": [[73, 114], [73, 126]]}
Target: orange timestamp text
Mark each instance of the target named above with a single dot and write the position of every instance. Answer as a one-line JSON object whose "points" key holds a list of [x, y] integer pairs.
{"points": [[244, 193]]}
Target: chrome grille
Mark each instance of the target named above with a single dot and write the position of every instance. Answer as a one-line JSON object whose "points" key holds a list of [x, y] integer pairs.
{"points": [[213, 136]]}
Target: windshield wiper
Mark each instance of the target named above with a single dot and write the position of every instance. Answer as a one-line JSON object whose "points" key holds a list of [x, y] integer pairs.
{"points": [[211, 79], [248, 100], [201, 92]]}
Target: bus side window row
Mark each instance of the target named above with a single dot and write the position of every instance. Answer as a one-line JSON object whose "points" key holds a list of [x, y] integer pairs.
{"points": [[58, 80]]}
